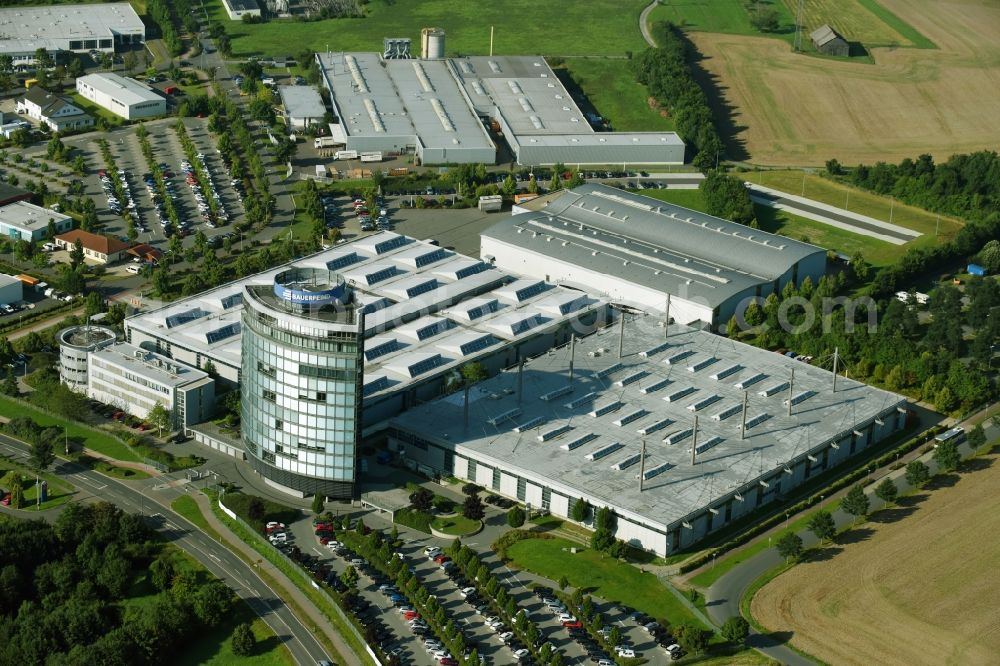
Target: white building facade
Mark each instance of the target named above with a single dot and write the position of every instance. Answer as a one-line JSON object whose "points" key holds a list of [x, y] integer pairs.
{"points": [[124, 97]]}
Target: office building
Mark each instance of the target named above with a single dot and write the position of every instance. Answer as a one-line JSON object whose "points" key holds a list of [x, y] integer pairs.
{"points": [[55, 111], [122, 96], [75, 345], [25, 221]]}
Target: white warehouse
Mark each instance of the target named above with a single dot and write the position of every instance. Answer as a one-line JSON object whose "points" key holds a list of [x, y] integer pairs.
{"points": [[636, 250], [125, 97]]}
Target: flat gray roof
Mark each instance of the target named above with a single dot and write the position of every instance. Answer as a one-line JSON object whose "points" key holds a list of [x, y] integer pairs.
{"points": [[302, 101], [593, 429], [149, 365], [29, 28], [427, 308], [418, 98], [651, 243], [28, 217]]}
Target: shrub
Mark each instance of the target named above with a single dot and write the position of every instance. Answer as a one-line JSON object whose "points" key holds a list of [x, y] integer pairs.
{"points": [[515, 517], [414, 519]]}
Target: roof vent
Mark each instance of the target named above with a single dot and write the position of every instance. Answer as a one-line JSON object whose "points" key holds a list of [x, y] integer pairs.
{"points": [[594, 253]]}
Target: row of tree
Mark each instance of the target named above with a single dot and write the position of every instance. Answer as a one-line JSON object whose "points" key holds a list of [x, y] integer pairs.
{"points": [[666, 72], [62, 588]]}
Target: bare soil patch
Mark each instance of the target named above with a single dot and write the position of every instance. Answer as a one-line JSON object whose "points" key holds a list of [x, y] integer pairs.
{"points": [[919, 587], [794, 109]]}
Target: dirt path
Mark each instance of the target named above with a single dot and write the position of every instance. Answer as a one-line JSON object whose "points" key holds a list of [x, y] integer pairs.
{"points": [[903, 589]]}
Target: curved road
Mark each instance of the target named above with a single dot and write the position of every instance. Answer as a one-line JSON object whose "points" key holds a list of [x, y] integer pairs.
{"points": [[722, 599], [644, 23], [218, 559]]}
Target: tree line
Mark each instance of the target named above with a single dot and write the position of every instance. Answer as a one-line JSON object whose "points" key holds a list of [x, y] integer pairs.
{"points": [[666, 72], [64, 591]]}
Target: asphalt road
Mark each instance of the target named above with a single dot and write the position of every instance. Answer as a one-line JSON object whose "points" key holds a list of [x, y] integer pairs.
{"points": [[215, 557], [722, 600], [769, 199]]}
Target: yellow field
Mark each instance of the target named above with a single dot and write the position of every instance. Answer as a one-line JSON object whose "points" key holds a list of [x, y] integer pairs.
{"points": [[918, 589], [849, 18], [794, 109]]}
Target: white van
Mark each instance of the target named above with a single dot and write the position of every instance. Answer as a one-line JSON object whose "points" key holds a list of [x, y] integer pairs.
{"points": [[134, 269]]}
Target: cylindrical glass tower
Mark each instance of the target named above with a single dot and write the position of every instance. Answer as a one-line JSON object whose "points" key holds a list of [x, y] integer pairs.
{"points": [[301, 382]]}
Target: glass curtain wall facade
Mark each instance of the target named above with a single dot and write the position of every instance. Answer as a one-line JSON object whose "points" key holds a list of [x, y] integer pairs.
{"points": [[301, 393]]}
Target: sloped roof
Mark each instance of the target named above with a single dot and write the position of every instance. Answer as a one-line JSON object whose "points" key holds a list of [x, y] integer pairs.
{"points": [[48, 102], [95, 242], [824, 35]]}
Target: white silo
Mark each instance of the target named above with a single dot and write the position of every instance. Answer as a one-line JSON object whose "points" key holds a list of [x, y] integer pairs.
{"points": [[431, 43]]}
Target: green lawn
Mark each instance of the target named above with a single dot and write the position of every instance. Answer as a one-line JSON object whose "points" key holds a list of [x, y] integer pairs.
{"points": [[601, 575], [95, 110], [599, 27], [725, 16], [117, 472], [457, 525], [186, 507], [610, 87], [215, 647], [78, 433]]}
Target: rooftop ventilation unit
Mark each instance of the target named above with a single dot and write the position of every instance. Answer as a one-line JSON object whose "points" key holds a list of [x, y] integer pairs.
{"points": [[750, 381], [604, 451], [554, 432], [725, 372], [582, 400], [601, 374], [631, 379], [558, 393], [731, 410], [629, 418], [655, 350], [655, 386], [707, 444], [680, 394], [529, 424], [757, 420], [627, 462], [799, 397], [702, 364], [703, 403], [655, 471], [678, 357], [678, 436], [578, 442], [606, 409], [653, 427], [500, 418], [771, 390]]}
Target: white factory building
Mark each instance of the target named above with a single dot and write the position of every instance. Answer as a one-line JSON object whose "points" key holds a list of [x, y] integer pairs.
{"points": [[637, 250], [11, 289], [237, 9], [78, 28], [136, 380], [439, 108], [302, 106], [677, 430], [25, 221], [122, 96]]}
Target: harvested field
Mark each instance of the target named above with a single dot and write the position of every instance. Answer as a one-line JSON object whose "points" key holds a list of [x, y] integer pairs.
{"points": [[916, 589], [848, 17], [792, 109]]}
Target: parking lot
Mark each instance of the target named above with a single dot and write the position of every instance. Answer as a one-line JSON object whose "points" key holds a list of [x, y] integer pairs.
{"points": [[167, 150]]}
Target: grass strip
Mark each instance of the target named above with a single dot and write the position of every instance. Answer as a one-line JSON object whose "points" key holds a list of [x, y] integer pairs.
{"points": [[322, 601], [186, 507], [898, 24]]}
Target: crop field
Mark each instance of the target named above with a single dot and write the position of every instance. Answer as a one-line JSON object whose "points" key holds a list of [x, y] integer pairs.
{"points": [[851, 19], [913, 589], [791, 109], [599, 27]]}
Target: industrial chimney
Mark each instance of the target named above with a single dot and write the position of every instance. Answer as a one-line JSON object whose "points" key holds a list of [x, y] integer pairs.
{"points": [[432, 43]]}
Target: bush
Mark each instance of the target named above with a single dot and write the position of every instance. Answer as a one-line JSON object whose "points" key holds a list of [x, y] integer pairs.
{"points": [[515, 517], [244, 642], [735, 630], [443, 504], [414, 519]]}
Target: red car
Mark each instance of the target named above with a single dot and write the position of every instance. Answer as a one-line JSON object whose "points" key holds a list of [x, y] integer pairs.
{"points": [[322, 526], [447, 661], [410, 615], [573, 625], [441, 559], [6, 499]]}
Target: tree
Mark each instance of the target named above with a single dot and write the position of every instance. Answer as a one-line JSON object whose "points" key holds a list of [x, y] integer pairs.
{"points": [[789, 545], [473, 372], [822, 525], [471, 489], [765, 19], [693, 639], [41, 454], [515, 517], [317, 503], [834, 168], [76, 255], [160, 417], [736, 630], [727, 197], [243, 641], [753, 315], [473, 508], [212, 602], [732, 328], [860, 267], [946, 456], [10, 386], [349, 577], [886, 491], [421, 499], [43, 59], [563, 583], [855, 502], [977, 437], [581, 510]]}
